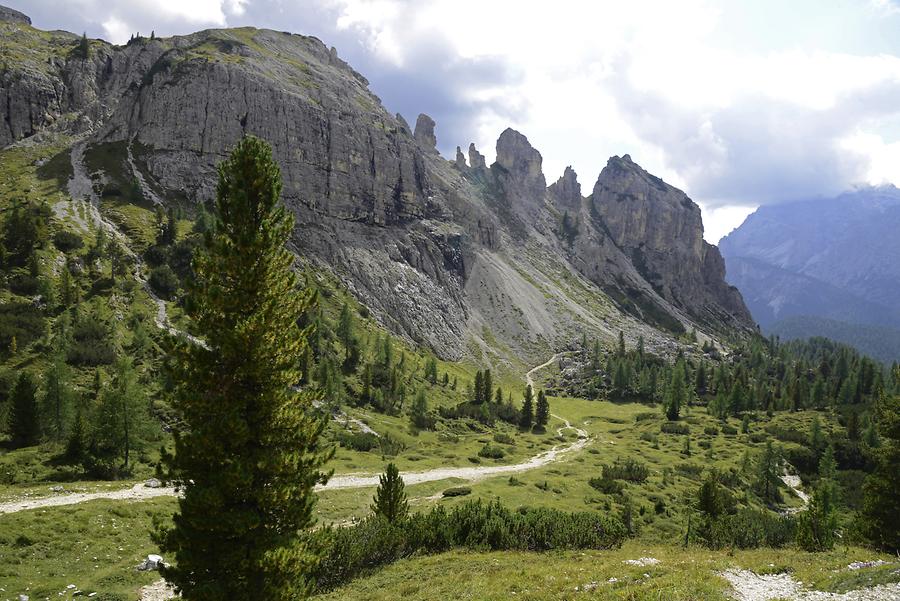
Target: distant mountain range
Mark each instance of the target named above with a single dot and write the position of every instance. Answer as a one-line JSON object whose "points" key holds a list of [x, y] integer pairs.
{"points": [[824, 267]]}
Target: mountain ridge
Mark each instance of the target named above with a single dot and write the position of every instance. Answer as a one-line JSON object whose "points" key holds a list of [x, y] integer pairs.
{"points": [[460, 256]]}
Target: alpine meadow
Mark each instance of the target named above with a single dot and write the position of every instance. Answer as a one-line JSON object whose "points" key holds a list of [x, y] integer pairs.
{"points": [[261, 339]]}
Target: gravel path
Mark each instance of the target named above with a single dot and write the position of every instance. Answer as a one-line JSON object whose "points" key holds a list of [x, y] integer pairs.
{"points": [[138, 492], [752, 587]]}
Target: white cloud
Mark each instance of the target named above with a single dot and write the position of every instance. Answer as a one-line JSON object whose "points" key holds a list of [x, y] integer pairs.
{"points": [[738, 104]]}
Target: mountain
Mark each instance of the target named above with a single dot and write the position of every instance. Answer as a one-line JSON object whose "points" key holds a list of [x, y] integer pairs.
{"points": [[463, 257], [827, 261]]}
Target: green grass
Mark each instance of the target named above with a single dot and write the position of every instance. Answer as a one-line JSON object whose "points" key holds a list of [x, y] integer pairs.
{"points": [[681, 575], [95, 546]]}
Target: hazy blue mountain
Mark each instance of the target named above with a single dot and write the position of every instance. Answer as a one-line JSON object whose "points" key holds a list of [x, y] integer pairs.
{"points": [[828, 261]]}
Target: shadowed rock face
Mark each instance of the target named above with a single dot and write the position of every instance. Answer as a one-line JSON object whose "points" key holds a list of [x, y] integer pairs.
{"points": [[661, 230], [439, 250]]}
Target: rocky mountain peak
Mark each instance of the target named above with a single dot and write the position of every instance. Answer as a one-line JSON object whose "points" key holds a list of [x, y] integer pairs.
{"points": [[476, 159], [521, 162], [10, 14], [566, 192], [424, 133], [460, 159]]}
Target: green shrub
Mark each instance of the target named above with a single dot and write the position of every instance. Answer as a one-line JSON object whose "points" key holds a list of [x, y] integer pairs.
{"points": [[729, 430], [504, 438], [67, 241], [711, 431], [748, 529], [457, 491], [607, 486], [352, 551], [675, 428], [491, 452], [358, 441], [649, 437], [643, 416], [629, 469], [164, 281]]}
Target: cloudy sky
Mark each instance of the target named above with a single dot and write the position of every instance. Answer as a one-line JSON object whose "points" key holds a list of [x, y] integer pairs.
{"points": [[738, 103]]}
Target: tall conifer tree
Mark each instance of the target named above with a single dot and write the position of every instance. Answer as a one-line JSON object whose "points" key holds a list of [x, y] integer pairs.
{"points": [[249, 455]]}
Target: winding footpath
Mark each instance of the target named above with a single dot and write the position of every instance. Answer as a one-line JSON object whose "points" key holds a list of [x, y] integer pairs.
{"points": [[141, 491]]}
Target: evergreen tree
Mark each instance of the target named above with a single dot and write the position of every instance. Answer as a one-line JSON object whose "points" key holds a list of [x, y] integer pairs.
{"points": [[247, 476], [84, 47], [542, 412], [881, 491], [479, 388], [24, 427], [498, 396], [620, 351], [675, 396], [768, 474], [122, 420], [487, 386], [57, 399], [390, 497], [526, 416], [817, 526], [419, 411]]}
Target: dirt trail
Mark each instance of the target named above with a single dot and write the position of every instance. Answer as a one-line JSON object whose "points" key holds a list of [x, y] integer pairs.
{"points": [[468, 473], [793, 482]]}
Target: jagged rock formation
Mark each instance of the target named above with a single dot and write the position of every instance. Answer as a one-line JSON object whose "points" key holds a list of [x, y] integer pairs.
{"points": [[465, 258]]}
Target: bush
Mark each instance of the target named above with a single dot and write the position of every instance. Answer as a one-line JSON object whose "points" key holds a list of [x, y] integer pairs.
{"points": [[24, 284], [22, 321], [607, 486], [91, 342], [356, 550], [491, 452], [645, 416], [649, 437], [630, 469], [675, 428], [758, 437], [67, 241], [728, 430], [457, 491], [503, 438], [164, 281], [748, 529], [788, 434], [711, 431], [358, 441]]}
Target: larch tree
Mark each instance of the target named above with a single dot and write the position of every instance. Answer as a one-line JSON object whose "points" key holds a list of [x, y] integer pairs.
{"points": [[249, 455]]}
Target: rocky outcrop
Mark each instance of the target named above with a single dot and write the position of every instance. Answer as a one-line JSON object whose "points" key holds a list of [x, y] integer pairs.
{"points": [[661, 230], [476, 159], [12, 15], [424, 133], [566, 191], [442, 252]]}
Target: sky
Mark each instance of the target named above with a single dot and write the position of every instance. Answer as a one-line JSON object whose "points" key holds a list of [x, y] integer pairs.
{"points": [[740, 104]]}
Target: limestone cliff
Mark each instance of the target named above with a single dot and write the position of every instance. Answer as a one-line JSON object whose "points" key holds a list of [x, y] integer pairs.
{"points": [[461, 256]]}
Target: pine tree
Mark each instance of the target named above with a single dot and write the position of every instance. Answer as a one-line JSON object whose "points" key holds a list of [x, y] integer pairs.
{"points": [[542, 412], [24, 426], [880, 519], [768, 474], [817, 526], [675, 396], [487, 386], [479, 388], [419, 411], [247, 476], [390, 497], [84, 47], [57, 399], [620, 351], [526, 416]]}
